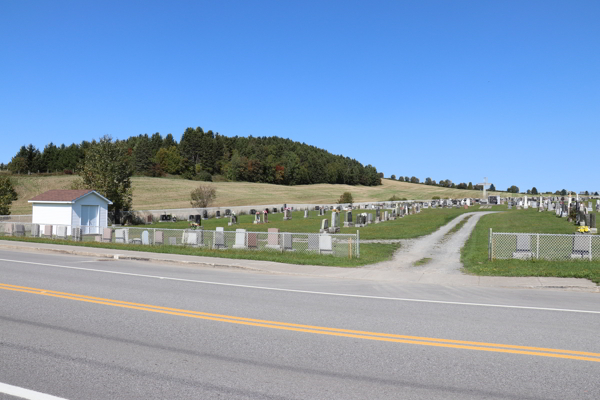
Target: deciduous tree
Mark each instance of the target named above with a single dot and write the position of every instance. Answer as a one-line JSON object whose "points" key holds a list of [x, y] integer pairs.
{"points": [[105, 169]]}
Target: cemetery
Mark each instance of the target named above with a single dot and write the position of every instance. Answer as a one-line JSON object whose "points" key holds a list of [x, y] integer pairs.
{"points": [[298, 234]]}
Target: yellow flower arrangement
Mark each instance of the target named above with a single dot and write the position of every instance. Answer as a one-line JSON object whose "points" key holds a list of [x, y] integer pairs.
{"points": [[583, 229]]}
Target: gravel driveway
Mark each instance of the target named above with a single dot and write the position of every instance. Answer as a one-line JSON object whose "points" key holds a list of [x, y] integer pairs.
{"points": [[444, 251]]}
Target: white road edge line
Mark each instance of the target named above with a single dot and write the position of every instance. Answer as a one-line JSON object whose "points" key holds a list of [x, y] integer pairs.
{"points": [[308, 291], [26, 393]]}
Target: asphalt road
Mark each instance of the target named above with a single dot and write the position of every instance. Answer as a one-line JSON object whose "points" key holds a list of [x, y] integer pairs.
{"points": [[69, 328]]}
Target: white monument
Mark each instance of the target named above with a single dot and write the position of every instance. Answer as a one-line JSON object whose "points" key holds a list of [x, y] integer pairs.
{"points": [[484, 184]]}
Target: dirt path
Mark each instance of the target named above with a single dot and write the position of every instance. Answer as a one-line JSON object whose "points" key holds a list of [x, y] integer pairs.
{"points": [[444, 251]]}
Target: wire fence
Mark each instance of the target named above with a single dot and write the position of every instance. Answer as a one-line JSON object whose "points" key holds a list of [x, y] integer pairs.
{"points": [[543, 246], [339, 245], [16, 218]]}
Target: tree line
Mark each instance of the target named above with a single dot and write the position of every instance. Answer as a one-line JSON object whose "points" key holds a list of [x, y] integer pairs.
{"points": [[204, 155], [447, 183]]}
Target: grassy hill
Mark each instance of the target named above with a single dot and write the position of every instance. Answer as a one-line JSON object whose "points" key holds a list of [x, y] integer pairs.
{"points": [[159, 193]]}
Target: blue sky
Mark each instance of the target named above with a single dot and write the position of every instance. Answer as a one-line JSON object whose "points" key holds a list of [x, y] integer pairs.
{"points": [[443, 89]]}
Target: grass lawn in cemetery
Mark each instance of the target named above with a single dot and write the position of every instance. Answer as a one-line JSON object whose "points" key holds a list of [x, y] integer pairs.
{"points": [[411, 226], [475, 252]]}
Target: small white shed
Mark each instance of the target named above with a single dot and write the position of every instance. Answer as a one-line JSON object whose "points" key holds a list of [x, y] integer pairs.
{"points": [[73, 208]]}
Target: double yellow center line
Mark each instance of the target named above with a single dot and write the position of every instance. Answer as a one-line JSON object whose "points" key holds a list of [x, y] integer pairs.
{"points": [[385, 337]]}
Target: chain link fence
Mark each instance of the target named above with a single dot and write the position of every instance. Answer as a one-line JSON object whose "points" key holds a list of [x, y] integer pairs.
{"points": [[543, 246], [338, 245], [16, 218]]}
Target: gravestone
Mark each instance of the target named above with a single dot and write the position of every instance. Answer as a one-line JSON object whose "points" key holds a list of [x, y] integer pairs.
{"points": [[386, 216], [48, 231], [191, 218], [75, 234], [107, 235], [219, 242], [325, 244], [335, 222], [287, 214], [145, 238], [20, 230], [588, 219], [218, 214], [257, 218], [61, 232], [232, 220], [348, 221], [592, 225], [253, 240], [159, 238], [198, 219], [190, 238], [287, 241], [324, 225], [252, 212], [204, 214], [35, 230], [581, 246], [121, 236], [227, 212], [305, 213], [265, 218], [369, 218], [274, 210], [149, 219], [273, 239], [313, 242], [240, 239], [523, 249]]}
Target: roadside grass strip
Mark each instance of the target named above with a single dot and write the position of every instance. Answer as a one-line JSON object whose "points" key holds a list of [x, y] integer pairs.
{"points": [[357, 334]]}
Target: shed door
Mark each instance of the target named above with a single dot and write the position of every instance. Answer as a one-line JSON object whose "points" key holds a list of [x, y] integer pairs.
{"points": [[90, 219]]}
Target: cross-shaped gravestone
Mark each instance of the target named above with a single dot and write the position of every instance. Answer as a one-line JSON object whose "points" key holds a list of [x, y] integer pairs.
{"points": [[484, 184]]}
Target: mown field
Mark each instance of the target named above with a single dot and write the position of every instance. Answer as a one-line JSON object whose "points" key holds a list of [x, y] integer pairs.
{"points": [[161, 193], [475, 253]]}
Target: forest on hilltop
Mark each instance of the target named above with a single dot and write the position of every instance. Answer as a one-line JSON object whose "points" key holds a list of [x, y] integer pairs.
{"points": [[205, 155]]}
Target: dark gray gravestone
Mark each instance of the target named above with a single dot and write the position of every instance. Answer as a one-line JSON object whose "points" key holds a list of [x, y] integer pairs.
{"points": [[205, 214], [592, 224], [287, 241]]}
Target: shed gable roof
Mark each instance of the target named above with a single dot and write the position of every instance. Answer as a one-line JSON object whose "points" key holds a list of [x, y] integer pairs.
{"points": [[64, 196]]}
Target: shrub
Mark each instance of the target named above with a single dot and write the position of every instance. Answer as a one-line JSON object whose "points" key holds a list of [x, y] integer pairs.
{"points": [[345, 198], [435, 198], [203, 196], [203, 176]]}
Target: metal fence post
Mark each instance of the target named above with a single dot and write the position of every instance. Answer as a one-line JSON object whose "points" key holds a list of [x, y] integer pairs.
{"points": [[590, 252], [537, 250], [357, 243], [490, 246]]}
